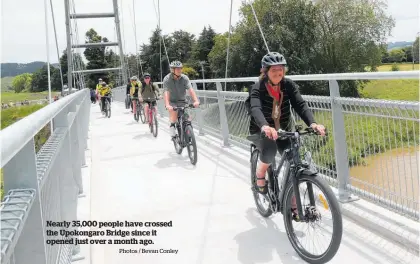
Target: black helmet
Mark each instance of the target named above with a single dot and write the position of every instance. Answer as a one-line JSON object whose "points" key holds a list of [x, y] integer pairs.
{"points": [[146, 74], [271, 59]]}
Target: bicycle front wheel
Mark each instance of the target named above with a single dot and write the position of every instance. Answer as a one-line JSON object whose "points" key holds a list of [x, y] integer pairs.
{"points": [[315, 209], [154, 124], [191, 144], [142, 113]]}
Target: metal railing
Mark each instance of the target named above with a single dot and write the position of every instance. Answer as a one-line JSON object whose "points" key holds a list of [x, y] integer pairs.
{"points": [[42, 186], [372, 150]]}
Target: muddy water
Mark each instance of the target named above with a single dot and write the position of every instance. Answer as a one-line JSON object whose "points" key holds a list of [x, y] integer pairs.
{"points": [[396, 174]]}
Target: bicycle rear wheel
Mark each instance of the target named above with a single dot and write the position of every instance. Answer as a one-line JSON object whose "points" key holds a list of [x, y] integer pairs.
{"points": [[109, 109], [264, 212], [313, 216], [191, 144]]}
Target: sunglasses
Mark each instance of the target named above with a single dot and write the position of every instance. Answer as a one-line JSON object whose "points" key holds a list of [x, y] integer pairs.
{"points": [[146, 77]]}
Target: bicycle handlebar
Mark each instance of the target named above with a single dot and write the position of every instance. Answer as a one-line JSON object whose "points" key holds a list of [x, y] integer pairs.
{"points": [[299, 132], [183, 107]]}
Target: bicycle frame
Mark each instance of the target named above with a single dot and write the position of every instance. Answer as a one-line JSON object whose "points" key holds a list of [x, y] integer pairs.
{"points": [[182, 123], [292, 172]]}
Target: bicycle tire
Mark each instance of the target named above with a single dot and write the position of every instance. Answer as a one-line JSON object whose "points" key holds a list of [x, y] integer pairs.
{"points": [[155, 122], [262, 211], [337, 220], [109, 110], [142, 114], [190, 134]]}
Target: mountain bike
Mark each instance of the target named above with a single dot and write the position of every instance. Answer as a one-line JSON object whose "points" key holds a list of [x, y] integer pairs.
{"points": [[151, 116], [281, 194], [107, 107], [139, 112], [184, 134]]}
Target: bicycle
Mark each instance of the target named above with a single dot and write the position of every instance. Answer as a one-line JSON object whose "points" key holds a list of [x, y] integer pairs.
{"points": [[139, 111], [127, 102], [107, 107], [184, 134], [280, 196], [151, 115]]}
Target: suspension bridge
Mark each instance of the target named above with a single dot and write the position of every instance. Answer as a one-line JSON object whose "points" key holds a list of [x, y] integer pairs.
{"points": [[95, 169]]}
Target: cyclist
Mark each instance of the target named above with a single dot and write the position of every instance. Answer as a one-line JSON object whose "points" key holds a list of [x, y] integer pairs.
{"points": [[127, 91], [149, 90], [104, 90], [99, 85], [175, 86], [270, 101], [134, 91]]}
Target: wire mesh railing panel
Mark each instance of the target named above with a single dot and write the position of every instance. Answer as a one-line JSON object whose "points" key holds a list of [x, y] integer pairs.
{"points": [[320, 148], [382, 140]]}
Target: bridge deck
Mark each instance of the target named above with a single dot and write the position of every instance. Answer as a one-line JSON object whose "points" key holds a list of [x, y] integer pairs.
{"points": [[135, 177]]}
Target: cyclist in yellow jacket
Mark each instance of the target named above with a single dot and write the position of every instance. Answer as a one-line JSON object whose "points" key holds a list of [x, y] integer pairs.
{"points": [[104, 90], [134, 91], [97, 88]]}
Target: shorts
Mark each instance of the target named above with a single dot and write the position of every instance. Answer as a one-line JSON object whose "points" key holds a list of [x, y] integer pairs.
{"points": [[268, 148], [153, 103]]}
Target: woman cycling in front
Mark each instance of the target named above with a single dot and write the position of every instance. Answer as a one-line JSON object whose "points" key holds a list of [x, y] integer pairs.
{"points": [[270, 101]]}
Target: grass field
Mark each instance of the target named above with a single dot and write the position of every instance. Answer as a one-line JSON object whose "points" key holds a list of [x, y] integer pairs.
{"points": [[402, 67], [11, 115], [12, 96], [403, 89]]}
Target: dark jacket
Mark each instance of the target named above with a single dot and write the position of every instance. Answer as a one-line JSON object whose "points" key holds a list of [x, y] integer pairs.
{"points": [[261, 106], [128, 88]]}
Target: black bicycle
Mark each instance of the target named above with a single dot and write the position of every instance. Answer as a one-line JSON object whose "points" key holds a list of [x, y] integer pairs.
{"points": [[139, 112], [281, 196], [107, 107], [184, 134]]}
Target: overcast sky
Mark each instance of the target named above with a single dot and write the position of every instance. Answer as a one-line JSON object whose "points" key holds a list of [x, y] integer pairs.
{"points": [[23, 35]]}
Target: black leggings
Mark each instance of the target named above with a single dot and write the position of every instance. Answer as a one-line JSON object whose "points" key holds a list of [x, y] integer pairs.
{"points": [[269, 147], [103, 102]]}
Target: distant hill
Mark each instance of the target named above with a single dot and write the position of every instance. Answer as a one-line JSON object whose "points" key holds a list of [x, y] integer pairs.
{"points": [[14, 69], [399, 44]]}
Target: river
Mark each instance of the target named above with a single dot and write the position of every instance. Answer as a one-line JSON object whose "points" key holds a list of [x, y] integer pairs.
{"points": [[395, 171]]}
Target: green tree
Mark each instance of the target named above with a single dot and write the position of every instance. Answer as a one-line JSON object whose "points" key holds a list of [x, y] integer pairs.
{"points": [[201, 50], [22, 82], [396, 55], [95, 56], [40, 79], [151, 57], [64, 66], [181, 46], [416, 50], [190, 72]]}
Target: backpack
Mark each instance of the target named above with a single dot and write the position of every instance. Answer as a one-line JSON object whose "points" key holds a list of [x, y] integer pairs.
{"points": [[143, 86]]}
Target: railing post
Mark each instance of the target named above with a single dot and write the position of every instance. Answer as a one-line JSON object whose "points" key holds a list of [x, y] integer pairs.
{"points": [[340, 145], [199, 114], [223, 119], [75, 145], [21, 173]]}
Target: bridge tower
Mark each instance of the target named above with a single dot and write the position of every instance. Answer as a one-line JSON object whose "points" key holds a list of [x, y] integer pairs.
{"points": [[70, 47]]}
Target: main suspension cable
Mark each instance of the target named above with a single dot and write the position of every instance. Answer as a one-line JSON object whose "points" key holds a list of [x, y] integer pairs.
{"points": [[259, 26], [160, 31], [228, 44], [135, 39], [56, 45]]}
